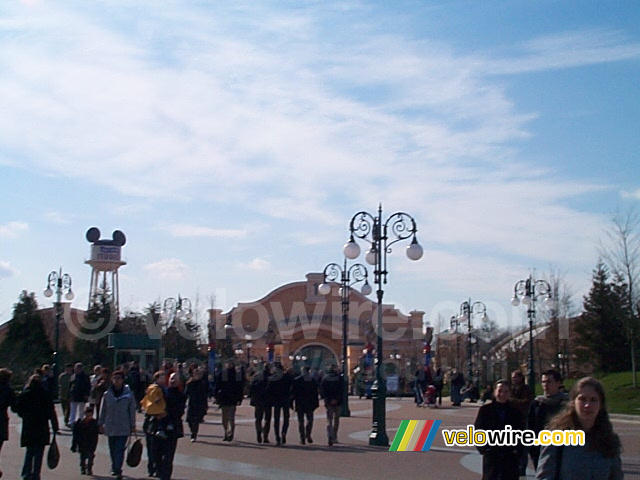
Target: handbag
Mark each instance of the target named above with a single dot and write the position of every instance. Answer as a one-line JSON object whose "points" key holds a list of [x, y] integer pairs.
{"points": [[53, 455], [135, 453]]}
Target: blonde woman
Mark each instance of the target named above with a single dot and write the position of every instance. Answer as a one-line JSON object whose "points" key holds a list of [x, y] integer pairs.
{"points": [[599, 457]]}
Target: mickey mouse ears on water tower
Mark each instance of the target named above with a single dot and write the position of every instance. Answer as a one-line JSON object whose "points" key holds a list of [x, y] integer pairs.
{"points": [[93, 236]]}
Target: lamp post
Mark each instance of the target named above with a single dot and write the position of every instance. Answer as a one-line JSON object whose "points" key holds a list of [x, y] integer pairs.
{"points": [[455, 323], [528, 291], [399, 226], [356, 273], [173, 310], [62, 284], [467, 309]]}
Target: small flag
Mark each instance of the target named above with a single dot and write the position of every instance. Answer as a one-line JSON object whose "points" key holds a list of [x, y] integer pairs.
{"points": [[415, 435]]}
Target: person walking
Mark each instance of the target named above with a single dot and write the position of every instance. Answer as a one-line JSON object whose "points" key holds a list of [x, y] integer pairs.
{"points": [[154, 405], [197, 392], [331, 390], [79, 390], [229, 393], [521, 398], [64, 384], [117, 419], [85, 440], [260, 402], [35, 406], [438, 382], [279, 395], [599, 457], [165, 445], [543, 408], [500, 462], [7, 400], [305, 398], [456, 381]]}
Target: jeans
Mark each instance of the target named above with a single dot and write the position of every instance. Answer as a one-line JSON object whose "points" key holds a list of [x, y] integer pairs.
{"points": [[305, 432], [33, 463], [164, 449], [76, 411], [117, 448], [455, 394], [260, 413], [284, 408], [333, 421], [228, 420]]}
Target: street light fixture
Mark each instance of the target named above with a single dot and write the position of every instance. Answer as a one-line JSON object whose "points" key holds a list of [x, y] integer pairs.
{"points": [[173, 310], [371, 228], [455, 323], [467, 309], [62, 284], [529, 291], [356, 273]]}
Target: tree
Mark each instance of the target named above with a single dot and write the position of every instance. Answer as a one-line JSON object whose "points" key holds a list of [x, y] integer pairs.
{"points": [[621, 251], [92, 348], [26, 345], [600, 329]]}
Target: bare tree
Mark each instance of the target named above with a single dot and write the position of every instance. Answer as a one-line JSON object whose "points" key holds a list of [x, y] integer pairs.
{"points": [[621, 252]]}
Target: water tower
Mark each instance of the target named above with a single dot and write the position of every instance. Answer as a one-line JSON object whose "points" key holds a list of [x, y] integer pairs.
{"points": [[105, 260]]}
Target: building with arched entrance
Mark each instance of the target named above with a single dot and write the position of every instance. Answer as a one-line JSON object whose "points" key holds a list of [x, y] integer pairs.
{"points": [[294, 324]]}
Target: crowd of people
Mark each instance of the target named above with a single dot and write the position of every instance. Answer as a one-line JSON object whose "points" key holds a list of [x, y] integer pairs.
{"points": [[106, 403], [584, 408]]}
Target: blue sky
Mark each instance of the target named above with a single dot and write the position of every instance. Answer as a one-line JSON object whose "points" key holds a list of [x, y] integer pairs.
{"points": [[232, 142]]}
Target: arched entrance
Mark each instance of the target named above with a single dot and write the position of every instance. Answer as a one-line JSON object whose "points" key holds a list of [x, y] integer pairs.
{"points": [[317, 357]]}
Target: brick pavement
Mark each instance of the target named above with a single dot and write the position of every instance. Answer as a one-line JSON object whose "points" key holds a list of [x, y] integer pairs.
{"points": [[352, 458]]}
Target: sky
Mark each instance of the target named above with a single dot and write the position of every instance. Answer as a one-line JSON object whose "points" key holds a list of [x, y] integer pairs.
{"points": [[232, 143]]}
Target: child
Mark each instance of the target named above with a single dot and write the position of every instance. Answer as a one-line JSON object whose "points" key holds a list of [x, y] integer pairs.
{"points": [[85, 440], [155, 406]]}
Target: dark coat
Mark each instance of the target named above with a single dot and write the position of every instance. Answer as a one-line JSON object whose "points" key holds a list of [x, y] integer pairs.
{"points": [[278, 389], [7, 400], [229, 389], [85, 436], [258, 390], [79, 387], [197, 391], [175, 410], [332, 388], [499, 462], [35, 407], [305, 393]]}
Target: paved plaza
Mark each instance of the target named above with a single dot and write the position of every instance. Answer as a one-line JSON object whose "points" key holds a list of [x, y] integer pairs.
{"points": [[352, 458]]}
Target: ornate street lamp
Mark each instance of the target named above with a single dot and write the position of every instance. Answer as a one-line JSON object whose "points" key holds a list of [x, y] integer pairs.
{"points": [[467, 309], [356, 273], [399, 226], [173, 310], [455, 323], [58, 283], [528, 291]]}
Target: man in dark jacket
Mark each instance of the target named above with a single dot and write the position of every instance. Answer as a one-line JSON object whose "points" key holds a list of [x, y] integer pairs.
{"points": [[35, 406], [229, 394], [331, 390], [79, 389], [279, 395], [500, 462], [544, 407], [260, 403], [305, 397]]}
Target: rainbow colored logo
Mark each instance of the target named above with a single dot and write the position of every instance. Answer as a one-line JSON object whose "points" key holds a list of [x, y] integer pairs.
{"points": [[415, 435]]}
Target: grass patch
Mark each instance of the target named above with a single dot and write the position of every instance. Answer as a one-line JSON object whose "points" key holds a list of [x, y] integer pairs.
{"points": [[622, 397]]}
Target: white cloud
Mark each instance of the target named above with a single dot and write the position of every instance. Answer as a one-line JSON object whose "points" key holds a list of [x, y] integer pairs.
{"points": [[59, 218], [13, 229], [6, 270], [632, 195], [168, 268], [188, 231], [257, 264]]}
